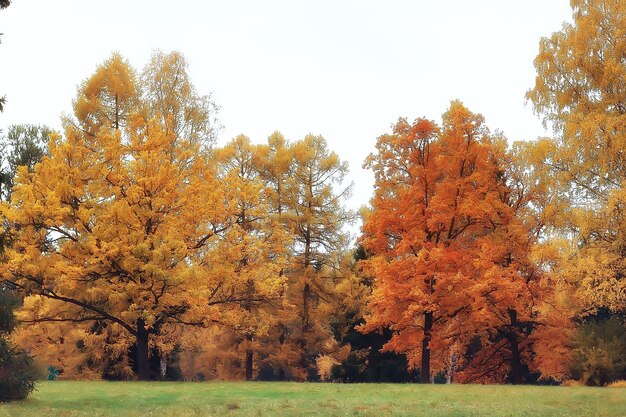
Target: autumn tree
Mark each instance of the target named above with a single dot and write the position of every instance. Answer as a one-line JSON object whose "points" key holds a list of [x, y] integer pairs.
{"points": [[275, 161], [251, 254], [317, 218], [448, 251], [303, 177], [110, 227], [579, 92], [530, 314], [170, 96], [397, 170]]}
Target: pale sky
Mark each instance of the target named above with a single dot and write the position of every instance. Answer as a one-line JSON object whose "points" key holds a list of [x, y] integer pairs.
{"points": [[343, 69]]}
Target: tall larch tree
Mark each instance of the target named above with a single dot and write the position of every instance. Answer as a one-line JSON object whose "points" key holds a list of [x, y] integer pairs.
{"points": [[108, 227], [276, 162], [315, 218], [170, 96], [252, 254]]}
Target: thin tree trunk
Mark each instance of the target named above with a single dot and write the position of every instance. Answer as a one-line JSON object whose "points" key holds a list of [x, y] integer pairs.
{"points": [[451, 368], [117, 114], [163, 366], [281, 369], [305, 326], [425, 369], [249, 360], [143, 364]]}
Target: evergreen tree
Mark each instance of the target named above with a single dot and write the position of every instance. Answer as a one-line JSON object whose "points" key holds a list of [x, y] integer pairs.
{"points": [[17, 372]]}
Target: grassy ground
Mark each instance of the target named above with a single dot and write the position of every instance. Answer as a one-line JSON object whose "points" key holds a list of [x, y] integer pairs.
{"points": [[163, 399]]}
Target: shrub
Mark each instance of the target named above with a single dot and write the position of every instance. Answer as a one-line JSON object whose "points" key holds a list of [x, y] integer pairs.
{"points": [[600, 352], [17, 373]]}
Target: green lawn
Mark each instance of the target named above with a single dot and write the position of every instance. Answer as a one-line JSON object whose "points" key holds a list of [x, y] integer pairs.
{"points": [[162, 399]]}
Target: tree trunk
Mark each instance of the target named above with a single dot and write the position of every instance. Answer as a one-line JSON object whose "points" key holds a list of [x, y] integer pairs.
{"points": [[305, 326], [451, 368], [516, 359], [281, 369], [248, 306], [143, 364], [425, 369], [516, 362], [249, 360], [163, 366]]}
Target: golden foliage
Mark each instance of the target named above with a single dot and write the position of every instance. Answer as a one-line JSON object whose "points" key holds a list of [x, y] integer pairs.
{"points": [[117, 222], [579, 89]]}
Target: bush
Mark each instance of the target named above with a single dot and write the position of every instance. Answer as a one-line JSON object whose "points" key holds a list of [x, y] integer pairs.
{"points": [[17, 373], [599, 354]]}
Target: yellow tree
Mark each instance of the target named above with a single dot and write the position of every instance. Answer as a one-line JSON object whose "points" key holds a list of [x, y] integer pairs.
{"points": [[169, 95], [252, 253], [275, 161], [110, 226], [317, 218], [579, 90], [107, 98], [303, 177]]}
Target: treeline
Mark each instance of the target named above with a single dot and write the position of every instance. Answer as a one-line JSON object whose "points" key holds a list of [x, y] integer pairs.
{"points": [[142, 250], [135, 238]]}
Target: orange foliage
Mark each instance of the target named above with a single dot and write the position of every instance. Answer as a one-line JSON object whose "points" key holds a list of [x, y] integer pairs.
{"points": [[449, 253]]}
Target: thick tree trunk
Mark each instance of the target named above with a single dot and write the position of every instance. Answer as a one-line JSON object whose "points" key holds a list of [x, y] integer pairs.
{"points": [[516, 362], [143, 364], [425, 369]]}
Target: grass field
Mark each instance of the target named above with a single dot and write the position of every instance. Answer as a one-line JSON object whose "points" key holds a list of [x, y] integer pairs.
{"points": [[164, 399]]}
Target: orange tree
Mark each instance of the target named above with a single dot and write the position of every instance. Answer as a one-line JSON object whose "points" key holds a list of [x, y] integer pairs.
{"points": [[448, 251]]}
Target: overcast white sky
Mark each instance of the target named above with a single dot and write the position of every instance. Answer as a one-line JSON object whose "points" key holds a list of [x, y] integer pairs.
{"points": [[343, 69]]}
